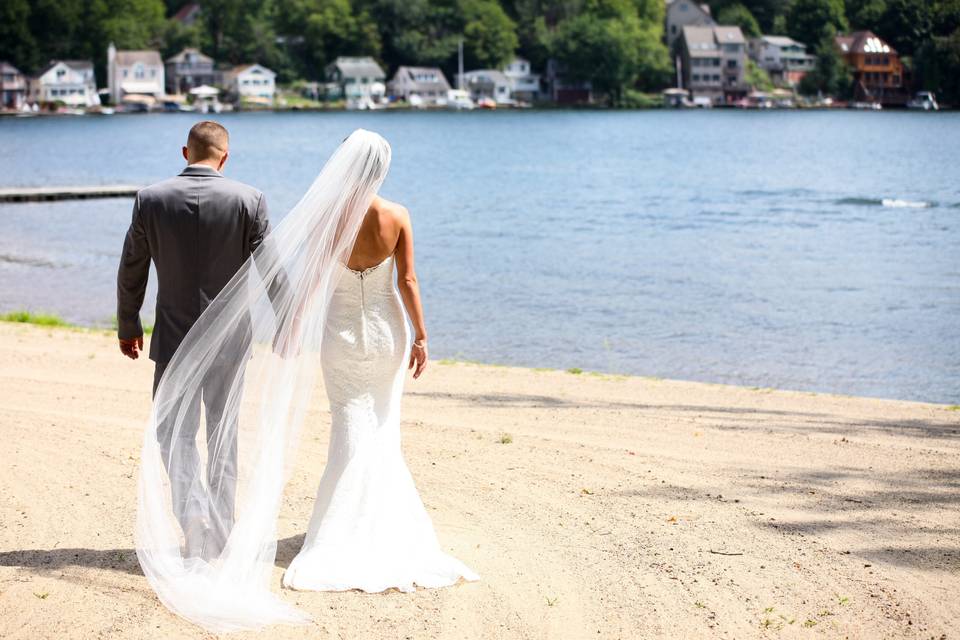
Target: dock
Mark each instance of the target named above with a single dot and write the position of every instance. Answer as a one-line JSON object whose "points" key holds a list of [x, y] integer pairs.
{"points": [[39, 194]]}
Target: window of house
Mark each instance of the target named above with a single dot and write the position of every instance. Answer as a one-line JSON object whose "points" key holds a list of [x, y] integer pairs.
{"points": [[696, 77], [731, 64], [138, 71]]}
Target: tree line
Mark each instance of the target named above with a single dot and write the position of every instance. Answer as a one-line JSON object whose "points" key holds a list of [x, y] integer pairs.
{"points": [[615, 44]]}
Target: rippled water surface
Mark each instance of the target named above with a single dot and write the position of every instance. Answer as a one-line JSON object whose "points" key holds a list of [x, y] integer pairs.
{"points": [[806, 250]]}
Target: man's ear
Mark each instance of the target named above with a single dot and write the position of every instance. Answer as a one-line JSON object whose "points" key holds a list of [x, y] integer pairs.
{"points": [[186, 154], [223, 161]]}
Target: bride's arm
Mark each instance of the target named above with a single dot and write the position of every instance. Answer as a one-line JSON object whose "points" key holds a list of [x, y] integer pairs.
{"points": [[410, 293]]}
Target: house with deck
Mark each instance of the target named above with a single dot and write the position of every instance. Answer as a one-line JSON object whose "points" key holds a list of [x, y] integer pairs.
{"points": [[187, 70], [876, 66], [784, 59], [427, 85], [134, 73], [714, 61], [13, 87]]}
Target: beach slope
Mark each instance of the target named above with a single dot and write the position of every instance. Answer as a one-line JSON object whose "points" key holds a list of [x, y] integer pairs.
{"points": [[592, 506]]}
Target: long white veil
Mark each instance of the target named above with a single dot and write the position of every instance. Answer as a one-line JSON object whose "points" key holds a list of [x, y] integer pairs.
{"points": [[209, 497]]}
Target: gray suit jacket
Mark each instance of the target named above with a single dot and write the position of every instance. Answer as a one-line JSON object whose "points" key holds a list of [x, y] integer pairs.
{"points": [[198, 228]]}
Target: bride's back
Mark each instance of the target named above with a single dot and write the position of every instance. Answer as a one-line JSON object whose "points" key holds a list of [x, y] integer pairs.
{"points": [[378, 235]]}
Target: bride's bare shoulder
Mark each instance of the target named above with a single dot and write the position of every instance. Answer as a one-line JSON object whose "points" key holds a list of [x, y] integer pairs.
{"points": [[390, 210]]}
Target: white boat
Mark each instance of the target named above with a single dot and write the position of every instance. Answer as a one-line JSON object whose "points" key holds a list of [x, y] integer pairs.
{"points": [[460, 100], [924, 101]]}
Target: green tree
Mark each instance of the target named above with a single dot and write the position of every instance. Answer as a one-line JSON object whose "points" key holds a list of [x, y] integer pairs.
{"points": [[831, 75], [807, 19], [490, 36], [906, 24], [16, 39], [758, 78], [739, 15], [865, 14]]}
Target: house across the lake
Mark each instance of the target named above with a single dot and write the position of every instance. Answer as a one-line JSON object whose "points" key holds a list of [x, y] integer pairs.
{"points": [[682, 13], [251, 83], [784, 59], [565, 90], [425, 84], [13, 87], [187, 70], [134, 73], [714, 61], [491, 84], [71, 82], [359, 79], [526, 85], [876, 66]]}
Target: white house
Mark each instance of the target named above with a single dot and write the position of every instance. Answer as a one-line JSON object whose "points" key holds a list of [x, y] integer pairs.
{"points": [[526, 85], [69, 81], [360, 79], [251, 82], [134, 73]]}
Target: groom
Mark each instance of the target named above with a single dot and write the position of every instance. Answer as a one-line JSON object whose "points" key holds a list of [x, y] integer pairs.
{"points": [[198, 228]]}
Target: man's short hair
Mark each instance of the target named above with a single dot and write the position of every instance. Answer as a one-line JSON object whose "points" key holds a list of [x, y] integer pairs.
{"points": [[208, 139]]}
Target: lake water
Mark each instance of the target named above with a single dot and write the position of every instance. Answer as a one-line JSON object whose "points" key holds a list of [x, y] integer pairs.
{"points": [[805, 250]]}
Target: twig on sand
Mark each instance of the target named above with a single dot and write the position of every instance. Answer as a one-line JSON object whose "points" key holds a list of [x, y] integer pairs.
{"points": [[724, 553]]}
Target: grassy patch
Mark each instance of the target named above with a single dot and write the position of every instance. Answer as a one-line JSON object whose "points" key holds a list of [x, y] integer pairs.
{"points": [[575, 370], [506, 438], [40, 319], [954, 407]]}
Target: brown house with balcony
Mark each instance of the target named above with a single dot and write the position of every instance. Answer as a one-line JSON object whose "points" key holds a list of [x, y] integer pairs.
{"points": [[877, 70]]}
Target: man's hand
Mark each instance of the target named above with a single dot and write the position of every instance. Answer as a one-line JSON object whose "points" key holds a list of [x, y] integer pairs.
{"points": [[132, 347], [418, 358]]}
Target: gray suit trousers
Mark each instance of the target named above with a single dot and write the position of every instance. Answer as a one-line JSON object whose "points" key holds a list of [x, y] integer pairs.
{"points": [[205, 510]]}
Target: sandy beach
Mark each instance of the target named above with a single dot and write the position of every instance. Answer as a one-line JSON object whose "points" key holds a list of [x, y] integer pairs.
{"points": [[592, 506]]}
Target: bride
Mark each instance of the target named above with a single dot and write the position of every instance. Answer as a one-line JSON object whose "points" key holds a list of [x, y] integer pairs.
{"points": [[320, 293]]}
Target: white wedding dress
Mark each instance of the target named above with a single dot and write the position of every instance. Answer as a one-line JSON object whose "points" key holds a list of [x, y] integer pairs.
{"points": [[369, 528]]}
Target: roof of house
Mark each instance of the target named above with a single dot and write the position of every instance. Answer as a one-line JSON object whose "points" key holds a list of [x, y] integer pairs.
{"points": [[127, 58], [182, 56], [241, 68], [187, 12], [486, 75], [351, 67], [781, 41], [863, 42], [6, 67], [706, 41], [422, 77], [727, 34], [704, 7], [76, 65]]}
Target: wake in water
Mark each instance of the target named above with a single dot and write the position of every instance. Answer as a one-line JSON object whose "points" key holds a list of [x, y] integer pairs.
{"points": [[888, 202]]}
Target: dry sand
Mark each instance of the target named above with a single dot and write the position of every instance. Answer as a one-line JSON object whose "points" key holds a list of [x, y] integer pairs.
{"points": [[622, 507]]}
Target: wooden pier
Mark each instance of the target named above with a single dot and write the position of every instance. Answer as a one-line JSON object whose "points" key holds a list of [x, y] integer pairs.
{"points": [[38, 194]]}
